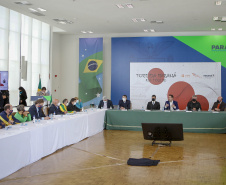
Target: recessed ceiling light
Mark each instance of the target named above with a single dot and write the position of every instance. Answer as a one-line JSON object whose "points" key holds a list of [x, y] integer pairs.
{"points": [[216, 18], [23, 3], [129, 5], [142, 20], [145, 30], [41, 9], [212, 29], [32, 9], [223, 19], [90, 32], [119, 5], [62, 22], [83, 31], [218, 3], [220, 29], [152, 30], [135, 20]]}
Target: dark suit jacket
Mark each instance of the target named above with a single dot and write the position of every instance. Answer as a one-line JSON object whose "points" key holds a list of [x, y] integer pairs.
{"points": [[222, 106], [71, 107], [109, 104], [1, 102], [156, 106], [192, 105], [126, 105], [55, 109], [174, 102], [33, 112]]}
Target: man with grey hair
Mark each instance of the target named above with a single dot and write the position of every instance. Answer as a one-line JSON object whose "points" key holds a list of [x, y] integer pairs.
{"points": [[105, 103], [219, 105], [55, 107], [194, 105]]}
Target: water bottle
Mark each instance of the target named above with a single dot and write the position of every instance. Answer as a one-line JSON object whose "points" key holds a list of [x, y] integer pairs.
{"points": [[54, 115], [33, 119], [142, 107]]}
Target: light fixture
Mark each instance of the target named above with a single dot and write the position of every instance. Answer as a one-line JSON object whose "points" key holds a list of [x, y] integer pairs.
{"points": [[129, 5], [216, 18], [218, 3], [142, 20], [41, 9], [22, 3], [119, 5], [152, 30], [159, 21], [134, 20], [83, 31], [223, 19], [145, 30], [212, 29], [90, 32], [32, 9], [220, 29], [62, 22]]}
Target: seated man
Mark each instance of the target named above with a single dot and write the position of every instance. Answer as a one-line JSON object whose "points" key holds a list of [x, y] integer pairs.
{"points": [[6, 117], [194, 105], [219, 105], [153, 105], [72, 106], [55, 108], [105, 103], [22, 115], [43, 92], [63, 107], [36, 110], [124, 103], [171, 104]]}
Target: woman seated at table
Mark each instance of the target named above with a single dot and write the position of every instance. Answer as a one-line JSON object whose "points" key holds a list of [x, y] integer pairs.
{"points": [[78, 103], [72, 106], [63, 107], [22, 115]]}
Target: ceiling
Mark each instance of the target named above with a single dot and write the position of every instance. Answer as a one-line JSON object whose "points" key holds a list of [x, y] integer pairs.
{"points": [[103, 16]]}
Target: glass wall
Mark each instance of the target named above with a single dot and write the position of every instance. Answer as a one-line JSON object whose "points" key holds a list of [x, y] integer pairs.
{"points": [[21, 35]]}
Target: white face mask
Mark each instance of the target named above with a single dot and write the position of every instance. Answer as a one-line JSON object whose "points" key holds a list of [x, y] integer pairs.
{"points": [[58, 104], [77, 101], [67, 104], [124, 99]]}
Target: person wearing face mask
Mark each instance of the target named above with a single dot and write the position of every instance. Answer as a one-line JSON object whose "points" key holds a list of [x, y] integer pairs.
{"points": [[171, 104], [43, 92], [219, 105], [153, 104], [105, 103], [22, 115], [63, 107], [124, 103], [23, 96], [36, 110], [72, 106], [194, 105], [6, 117], [78, 103], [55, 108]]}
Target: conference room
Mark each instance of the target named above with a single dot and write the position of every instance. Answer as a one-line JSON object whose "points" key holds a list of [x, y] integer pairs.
{"points": [[112, 92]]}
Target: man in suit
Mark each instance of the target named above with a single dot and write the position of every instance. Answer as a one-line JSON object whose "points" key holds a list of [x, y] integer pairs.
{"points": [[219, 105], [171, 104], [55, 108], [36, 110], [1, 102], [105, 103], [6, 117], [124, 103], [194, 105], [43, 92], [153, 104]]}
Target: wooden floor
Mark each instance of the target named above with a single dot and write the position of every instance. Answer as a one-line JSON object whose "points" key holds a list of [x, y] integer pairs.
{"points": [[102, 159]]}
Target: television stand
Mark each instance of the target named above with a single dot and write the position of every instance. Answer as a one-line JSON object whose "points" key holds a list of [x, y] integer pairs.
{"points": [[166, 144]]}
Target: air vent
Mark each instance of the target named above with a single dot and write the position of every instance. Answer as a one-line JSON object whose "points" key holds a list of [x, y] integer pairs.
{"points": [[22, 3], [37, 13], [63, 21]]}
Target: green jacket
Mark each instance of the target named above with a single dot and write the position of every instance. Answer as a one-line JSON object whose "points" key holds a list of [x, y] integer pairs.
{"points": [[22, 118]]}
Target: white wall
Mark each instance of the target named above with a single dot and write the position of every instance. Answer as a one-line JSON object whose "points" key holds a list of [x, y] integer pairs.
{"points": [[65, 60]]}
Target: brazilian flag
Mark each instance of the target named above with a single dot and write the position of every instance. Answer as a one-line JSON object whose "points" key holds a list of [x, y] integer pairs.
{"points": [[39, 85], [89, 68]]}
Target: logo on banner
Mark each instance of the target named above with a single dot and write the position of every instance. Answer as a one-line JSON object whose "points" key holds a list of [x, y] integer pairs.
{"points": [[92, 65]]}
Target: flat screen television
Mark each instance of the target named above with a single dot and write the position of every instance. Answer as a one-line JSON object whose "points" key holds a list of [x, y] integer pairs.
{"points": [[163, 131], [3, 80]]}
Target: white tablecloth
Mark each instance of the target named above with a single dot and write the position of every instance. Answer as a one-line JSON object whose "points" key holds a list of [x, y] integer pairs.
{"points": [[23, 145]]}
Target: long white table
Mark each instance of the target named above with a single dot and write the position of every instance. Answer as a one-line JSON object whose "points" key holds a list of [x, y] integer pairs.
{"points": [[23, 145]]}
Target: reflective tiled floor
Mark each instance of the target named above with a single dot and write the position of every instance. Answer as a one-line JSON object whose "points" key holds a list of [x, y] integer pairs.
{"points": [[102, 159]]}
